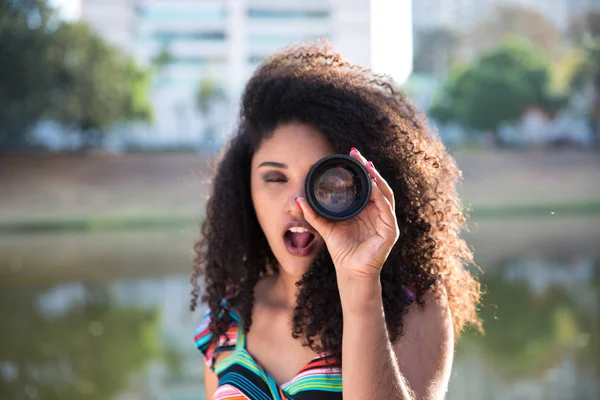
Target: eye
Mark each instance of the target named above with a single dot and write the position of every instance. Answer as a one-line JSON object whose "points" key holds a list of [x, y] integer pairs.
{"points": [[274, 178]]}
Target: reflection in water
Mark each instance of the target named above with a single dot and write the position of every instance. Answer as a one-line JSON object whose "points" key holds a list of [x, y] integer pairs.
{"points": [[542, 333], [73, 342], [127, 337]]}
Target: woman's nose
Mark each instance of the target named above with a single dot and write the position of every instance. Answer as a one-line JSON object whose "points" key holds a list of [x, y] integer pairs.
{"points": [[298, 191]]}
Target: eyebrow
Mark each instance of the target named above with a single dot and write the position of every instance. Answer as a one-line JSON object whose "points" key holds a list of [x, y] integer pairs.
{"points": [[272, 164]]}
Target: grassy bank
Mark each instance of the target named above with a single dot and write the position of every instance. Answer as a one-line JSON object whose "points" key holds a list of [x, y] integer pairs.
{"points": [[133, 222], [146, 191]]}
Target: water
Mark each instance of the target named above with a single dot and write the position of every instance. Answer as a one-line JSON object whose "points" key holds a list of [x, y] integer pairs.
{"points": [[105, 315]]}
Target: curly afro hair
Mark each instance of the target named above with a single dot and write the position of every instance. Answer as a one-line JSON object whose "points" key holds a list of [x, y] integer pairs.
{"points": [[353, 107]]}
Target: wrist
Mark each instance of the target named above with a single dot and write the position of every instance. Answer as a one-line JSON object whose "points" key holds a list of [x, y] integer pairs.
{"points": [[360, 295]]}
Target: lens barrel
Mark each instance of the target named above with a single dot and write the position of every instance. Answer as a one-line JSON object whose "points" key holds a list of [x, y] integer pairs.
{"points": [[338, 187]]}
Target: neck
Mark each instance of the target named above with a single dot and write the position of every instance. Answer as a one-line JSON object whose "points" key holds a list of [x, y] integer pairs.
{"points": [[284, 289]]}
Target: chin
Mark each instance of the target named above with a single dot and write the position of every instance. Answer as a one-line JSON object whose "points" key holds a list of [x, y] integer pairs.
{"points": [[293, 267]]}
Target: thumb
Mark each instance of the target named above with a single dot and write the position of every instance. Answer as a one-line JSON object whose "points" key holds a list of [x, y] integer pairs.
{"points": [[321, 225]]}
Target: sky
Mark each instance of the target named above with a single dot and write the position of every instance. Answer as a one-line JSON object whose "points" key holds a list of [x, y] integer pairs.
{"points": [[69, 9]]}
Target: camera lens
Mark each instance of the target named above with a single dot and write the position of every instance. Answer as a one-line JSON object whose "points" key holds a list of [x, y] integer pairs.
{"points": [[338, 187]]}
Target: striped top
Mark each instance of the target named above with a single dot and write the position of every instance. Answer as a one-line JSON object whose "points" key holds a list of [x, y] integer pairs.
{"points": [[241, 377]]}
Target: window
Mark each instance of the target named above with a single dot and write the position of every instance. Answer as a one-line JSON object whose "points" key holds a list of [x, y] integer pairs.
{"points": [[163, 13], [283, 38], [255, 59], [169, 36], [288, 14]]}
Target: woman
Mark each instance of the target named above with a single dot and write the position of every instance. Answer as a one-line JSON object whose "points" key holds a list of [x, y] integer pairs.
{"points": [[295, 299]]}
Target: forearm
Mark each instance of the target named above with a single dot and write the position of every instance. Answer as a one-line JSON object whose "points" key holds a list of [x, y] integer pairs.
{"points": [[369, 365]]}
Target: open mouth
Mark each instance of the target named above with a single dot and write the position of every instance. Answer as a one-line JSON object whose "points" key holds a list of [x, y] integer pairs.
{"points": [[299, 241]]}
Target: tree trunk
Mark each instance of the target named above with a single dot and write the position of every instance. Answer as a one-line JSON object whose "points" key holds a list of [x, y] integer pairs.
{"points": [[91, 137]]}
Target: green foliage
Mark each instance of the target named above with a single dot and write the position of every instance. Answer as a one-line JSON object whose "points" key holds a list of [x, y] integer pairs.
{"points": [[63, 71], [164, 57], [102, 86], [497, 87], [27, 73], [566, 74], [586, 35], [209, 91]]}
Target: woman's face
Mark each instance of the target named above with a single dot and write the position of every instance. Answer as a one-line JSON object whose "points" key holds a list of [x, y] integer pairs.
{"points": [[279, 168]]}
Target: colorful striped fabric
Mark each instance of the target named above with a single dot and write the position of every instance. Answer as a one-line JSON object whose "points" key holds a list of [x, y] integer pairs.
{"points": [[241, 377]]}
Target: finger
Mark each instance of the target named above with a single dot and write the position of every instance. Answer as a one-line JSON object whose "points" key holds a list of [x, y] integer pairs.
{"points": [[383, 185], [321, 225], [387, 191], [384, 207], [354, 153]]}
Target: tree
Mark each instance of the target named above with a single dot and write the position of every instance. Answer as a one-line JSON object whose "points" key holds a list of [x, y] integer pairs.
{"points": [[585, 33], [101, 87], [496, 87], [210, 93], [514, 20], [164, 57], [28, 72], [52, 69]]}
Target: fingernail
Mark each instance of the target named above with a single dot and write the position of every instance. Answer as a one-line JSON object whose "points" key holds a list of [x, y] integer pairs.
{"points": [[298, 203], [353, 149], [374, 179], [370, 164]]}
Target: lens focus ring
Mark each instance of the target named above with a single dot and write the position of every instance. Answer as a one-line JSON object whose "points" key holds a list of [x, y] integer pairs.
{"points": [[338, 187]]}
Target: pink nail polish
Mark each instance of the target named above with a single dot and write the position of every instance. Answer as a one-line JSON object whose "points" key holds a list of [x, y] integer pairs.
{"points": [[370, 163], [353, 149], [297, 203]]}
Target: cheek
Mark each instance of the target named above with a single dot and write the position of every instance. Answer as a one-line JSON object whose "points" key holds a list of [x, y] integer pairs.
{"points": [[264, 207]]}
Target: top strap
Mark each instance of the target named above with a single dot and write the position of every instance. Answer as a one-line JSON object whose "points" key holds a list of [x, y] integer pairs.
{"points": [[209, 348]]}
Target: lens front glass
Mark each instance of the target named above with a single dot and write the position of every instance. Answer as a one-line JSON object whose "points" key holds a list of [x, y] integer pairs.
{"points": [[336, 189]]}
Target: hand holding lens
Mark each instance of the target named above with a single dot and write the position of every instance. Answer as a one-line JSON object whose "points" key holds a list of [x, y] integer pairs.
{"points": [[338, 187]]}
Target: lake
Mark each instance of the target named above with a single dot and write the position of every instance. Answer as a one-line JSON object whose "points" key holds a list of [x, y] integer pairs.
{"points": [[105, 314]]}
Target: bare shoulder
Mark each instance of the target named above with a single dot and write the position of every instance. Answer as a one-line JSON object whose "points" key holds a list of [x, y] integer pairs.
{"points": [[425, 350], [211, 382], [433, 319]]}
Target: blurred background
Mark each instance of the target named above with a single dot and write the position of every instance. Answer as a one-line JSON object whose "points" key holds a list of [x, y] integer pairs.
{"points": [[111, 112]]}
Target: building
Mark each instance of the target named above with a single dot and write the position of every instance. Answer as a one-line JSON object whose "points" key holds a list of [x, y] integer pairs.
{"points": [[464, 14], [113, 19], [577, 7], [445, 30], [456, 14], [219, 41]]}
